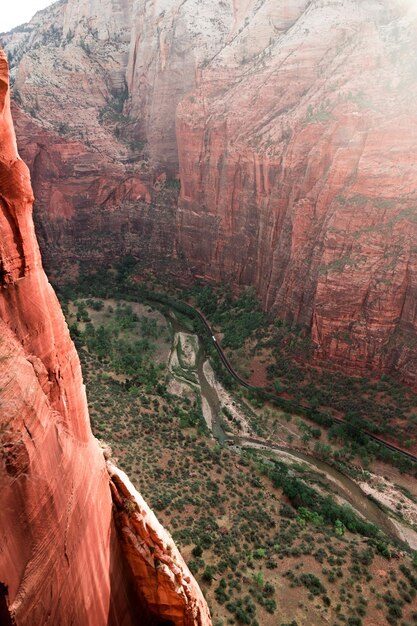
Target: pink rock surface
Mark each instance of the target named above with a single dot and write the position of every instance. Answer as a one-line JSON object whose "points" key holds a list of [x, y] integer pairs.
{"points": [[159, 572], [59, 556], [301, 164], [62, 558]]}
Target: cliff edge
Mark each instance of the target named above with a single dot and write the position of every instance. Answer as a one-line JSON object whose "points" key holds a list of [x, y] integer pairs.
{"points": [[62, 556]]}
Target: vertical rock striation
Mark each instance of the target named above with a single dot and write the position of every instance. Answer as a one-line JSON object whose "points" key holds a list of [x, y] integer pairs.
{"points": [[290, 124], [300, 164], [59, 558], [62, 557]]}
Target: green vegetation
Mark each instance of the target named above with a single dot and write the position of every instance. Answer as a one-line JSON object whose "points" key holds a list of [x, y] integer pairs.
{"points": [[261, 541], [173, 183], [313, 507], [375, 406], [63, 128], [238, 318], [113, 110], [84, 45], [321, 114]]}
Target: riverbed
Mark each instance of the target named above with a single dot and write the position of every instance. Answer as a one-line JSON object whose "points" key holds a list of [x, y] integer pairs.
{"points": [[193, 371]]}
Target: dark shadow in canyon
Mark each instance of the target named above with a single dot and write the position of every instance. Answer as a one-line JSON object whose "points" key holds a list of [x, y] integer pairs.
{"points": [[5, 617]]}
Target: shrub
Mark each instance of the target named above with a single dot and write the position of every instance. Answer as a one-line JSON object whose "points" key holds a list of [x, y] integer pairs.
{"points": [[197, 551], [313, 584]]}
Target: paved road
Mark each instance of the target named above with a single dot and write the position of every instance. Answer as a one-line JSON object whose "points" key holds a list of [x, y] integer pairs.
{"points": [[271, 394]]}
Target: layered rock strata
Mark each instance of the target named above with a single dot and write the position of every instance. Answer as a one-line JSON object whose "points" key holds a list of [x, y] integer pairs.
{"points": [[290, 126], [62, 556]]}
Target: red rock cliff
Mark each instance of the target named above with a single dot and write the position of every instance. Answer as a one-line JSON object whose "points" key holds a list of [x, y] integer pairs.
{"points": [[299, 160], [62, 556], [291, 126]]}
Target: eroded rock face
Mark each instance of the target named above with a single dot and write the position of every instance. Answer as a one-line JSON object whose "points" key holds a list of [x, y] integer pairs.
{"points": [[89, 208], [159, 572], [61, 554], [305, 175], [290, 126], [59, 557]]}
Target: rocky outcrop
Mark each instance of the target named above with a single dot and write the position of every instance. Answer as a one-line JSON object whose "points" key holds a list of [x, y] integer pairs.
{"points": [[59, 558], [290, 126], [62, 557], [160, 574], [169, 45]]}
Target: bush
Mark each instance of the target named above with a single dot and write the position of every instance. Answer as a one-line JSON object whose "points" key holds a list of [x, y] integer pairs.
{"points": [[197, 551], [313, 584], [208, 575]]}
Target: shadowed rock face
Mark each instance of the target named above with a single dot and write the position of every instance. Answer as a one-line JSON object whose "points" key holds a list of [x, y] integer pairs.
{"points": [[290, 126], [62, 557]]}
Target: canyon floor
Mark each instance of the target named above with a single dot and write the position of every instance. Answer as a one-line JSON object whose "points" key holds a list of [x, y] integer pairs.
{"points": [[260, 553]]}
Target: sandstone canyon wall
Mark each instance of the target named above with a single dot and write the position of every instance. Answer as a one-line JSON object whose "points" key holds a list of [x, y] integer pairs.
{"points": [[290, 125], [64, 522], [306, 176]]}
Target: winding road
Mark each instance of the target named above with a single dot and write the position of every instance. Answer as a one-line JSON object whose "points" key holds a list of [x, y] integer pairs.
{"points": [[338, 484], [268, 393]]}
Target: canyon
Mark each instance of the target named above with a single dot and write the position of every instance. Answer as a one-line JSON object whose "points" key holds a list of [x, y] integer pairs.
{"points": [[78, 544], [261, 144], [246, 142]]}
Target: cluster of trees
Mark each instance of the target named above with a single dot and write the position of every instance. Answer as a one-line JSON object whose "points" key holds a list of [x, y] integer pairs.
{"points": [[238, 318], [317, 508], [112, 345]]}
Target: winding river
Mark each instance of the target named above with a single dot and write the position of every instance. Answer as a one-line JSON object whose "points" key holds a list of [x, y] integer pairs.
{"points": [[338, 483]]}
